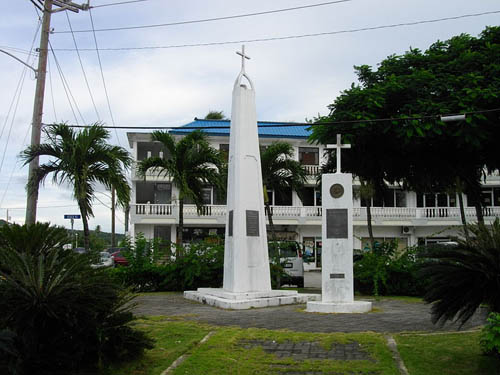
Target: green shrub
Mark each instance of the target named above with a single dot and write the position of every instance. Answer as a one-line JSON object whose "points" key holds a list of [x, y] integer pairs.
{"points": [[490, 336], [201, 265], [383, 271], [59, 314], [462, 278]]}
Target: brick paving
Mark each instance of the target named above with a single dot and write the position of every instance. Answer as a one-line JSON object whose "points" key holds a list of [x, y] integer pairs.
{"points": [[299, 351], [390, 316]]}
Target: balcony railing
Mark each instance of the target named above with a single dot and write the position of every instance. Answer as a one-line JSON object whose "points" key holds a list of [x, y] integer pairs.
{"points": [[311, 170], [394, 213], [153, 209], [423, 213]]}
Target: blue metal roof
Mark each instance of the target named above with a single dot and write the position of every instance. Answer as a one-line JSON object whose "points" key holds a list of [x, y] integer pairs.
{"points": [[214, 127]]}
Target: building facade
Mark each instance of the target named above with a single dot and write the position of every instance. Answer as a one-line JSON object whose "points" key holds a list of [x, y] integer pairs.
{"points": [[409, 217]]}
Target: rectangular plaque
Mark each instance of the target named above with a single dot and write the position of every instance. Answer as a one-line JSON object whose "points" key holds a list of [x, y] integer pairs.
{"points": [[252, 223], [336, 223], [230, 224], [337, 276]]}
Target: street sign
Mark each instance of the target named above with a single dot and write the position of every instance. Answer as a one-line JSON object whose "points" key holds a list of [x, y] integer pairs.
{"points": [[72, 216]]}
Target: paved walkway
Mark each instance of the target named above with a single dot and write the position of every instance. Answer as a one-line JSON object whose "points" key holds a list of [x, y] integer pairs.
{"points": [[389, 316]]}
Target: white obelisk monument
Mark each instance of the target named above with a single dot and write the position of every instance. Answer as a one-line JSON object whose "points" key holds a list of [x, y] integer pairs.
{"points": [[337, 294], [247, 281]]}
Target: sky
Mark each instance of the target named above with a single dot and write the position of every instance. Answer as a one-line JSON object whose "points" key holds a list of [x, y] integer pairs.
{"points": [[295, 78]]}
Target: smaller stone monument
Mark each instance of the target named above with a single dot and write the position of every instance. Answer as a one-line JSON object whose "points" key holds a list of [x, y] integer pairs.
{"points": [[337, 295]]}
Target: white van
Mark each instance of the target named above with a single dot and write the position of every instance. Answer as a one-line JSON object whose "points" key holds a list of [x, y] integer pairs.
{"points": [[290, 255]]}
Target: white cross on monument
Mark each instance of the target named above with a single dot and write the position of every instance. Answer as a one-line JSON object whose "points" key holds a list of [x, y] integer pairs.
{"points": [[243, 57], [339, 146]]}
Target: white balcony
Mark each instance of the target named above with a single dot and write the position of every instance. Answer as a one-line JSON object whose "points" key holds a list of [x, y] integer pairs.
{"points": [[311, 170], [429, 215]]}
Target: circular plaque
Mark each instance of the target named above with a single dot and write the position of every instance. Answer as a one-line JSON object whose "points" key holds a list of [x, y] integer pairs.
{"points": [[336, 191]]}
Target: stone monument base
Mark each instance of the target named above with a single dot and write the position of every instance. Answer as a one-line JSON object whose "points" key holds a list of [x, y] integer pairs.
{"points": [[247, 300], [339, 307]]}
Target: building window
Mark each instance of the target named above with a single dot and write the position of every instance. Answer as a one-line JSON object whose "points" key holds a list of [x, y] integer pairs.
{"points": [[224, 150], [206, 195], [489, 197], [309, 155], [311, 197], [436, 200], [390, 198]]}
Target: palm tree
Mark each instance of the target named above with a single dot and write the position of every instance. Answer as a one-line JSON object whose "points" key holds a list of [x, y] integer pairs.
{"points": [[192, 164], [462, 278], [279, 174], [81, 159]]}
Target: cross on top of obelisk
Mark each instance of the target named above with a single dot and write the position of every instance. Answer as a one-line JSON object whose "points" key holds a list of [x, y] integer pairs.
{"points": [[338, 146], [243, 57]]}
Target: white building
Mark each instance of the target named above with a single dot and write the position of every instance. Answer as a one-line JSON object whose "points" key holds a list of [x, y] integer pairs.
{"points": [[409, 217]]}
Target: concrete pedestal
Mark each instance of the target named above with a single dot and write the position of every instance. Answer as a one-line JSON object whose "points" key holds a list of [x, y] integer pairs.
{"points": [[247, 300], [339, 307]]}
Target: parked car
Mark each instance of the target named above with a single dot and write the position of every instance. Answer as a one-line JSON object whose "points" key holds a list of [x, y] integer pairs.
{"points": [[80, 250], [105, 260], [119, 259], [112, 250], [290, 256]]}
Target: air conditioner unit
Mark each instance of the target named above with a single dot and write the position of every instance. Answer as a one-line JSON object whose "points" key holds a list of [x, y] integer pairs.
{"points": [[407, 230]]}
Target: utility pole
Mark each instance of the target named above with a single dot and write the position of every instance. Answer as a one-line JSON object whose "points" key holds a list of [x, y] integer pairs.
{"points": [[36, 125], [113, 235]]}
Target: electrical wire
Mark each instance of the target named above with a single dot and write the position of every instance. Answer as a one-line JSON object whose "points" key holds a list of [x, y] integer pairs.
{"points": [[102, 77], [17, 92], [209, 19], [105, 205], [52, 89], [83, 70], [14, 167], [118, 3], [19, 50], [271, 39], [270, 124], [66, 87], [62, 206]]}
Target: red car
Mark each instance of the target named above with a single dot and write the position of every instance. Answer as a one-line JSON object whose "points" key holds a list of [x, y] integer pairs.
{"points": [[119, 259]]}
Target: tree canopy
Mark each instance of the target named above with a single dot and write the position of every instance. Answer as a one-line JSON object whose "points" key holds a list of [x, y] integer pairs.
{"points": [[392, 117], [215, 115]]}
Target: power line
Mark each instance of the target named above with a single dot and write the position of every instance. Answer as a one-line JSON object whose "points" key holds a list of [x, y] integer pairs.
{"points": [[62, 206], [83, 70], [118, 3], [66, 88], [208, 19], [270, 124], [20, 50], [105, 205], [52, 90], [270, 39], [17, 93], [102, 76]]}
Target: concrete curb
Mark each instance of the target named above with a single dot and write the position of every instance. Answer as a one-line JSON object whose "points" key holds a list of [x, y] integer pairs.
{"points": [[395, 355], [183, 357]]}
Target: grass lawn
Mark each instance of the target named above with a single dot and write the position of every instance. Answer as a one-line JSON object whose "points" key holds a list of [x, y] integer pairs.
{"points": [[224, 354], [173, 338], [445, 354]]}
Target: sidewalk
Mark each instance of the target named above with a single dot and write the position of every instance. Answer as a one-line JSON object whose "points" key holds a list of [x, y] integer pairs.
{"points": [[388, 316]]}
